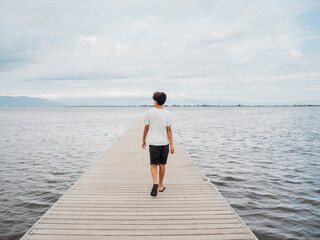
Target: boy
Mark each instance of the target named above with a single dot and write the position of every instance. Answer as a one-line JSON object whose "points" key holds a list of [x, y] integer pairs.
{"points": [[158, 127]]}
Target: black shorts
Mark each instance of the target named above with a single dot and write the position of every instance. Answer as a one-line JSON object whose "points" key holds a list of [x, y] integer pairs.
{"points": [[158, 154]]}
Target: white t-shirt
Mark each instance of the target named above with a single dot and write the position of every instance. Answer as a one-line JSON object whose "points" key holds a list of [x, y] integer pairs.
{"points": [[158, 120]]}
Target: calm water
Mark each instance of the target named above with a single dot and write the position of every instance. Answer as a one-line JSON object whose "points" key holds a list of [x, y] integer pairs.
{"points": [[265, 161]]}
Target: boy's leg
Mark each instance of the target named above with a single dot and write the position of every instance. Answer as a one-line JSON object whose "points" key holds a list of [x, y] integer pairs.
{"points": [[154, 173], [162, 164], [154, 162], [161, 175]]}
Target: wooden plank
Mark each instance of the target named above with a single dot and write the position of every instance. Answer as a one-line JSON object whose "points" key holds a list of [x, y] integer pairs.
{"points": [[136, 232], [112, 201], [212, 222], [137, 217], [99, 226], [184, 237]]}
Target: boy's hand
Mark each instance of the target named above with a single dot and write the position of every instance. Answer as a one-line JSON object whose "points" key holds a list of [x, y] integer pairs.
{"points": [[143, 144], [171, 149]]}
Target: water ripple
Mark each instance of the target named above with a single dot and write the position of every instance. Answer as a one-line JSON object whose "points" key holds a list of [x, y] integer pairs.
{"points": [[265, 161]]}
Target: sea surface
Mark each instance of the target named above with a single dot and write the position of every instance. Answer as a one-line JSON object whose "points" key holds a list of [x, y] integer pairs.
{"points": [[264, 160]]}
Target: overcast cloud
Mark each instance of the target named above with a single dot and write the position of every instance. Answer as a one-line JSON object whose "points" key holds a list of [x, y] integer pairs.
{"points": [[247, 51]]}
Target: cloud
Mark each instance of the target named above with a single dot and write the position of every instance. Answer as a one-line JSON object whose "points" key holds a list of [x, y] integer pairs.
{"points": [[199, 48], [295, 53]]}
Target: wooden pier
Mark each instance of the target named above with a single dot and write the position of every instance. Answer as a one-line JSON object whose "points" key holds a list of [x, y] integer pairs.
{"points": [[112, 201]]}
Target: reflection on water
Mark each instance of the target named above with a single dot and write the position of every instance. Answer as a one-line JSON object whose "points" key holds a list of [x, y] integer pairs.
{"points": [[265, 161]]}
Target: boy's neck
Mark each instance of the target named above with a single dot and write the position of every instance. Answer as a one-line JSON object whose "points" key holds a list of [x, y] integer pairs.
{"points": [[157, 105]]}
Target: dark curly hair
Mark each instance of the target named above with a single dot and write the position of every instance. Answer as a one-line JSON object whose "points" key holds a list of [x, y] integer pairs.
{"points": [[160, 97]]}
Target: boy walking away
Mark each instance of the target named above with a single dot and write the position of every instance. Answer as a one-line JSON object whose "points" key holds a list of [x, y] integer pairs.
{"points": [[158, 128]]}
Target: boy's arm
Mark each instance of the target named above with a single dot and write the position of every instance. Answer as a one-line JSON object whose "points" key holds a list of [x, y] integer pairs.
{"points": [[145, 132], [169, 132]]}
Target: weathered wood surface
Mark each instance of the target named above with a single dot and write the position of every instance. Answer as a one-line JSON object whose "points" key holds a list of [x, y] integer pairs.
{"points": [[112, 201]]}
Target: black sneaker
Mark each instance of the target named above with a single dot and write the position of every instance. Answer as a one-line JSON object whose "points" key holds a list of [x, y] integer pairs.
{"points": [[154, 190]]}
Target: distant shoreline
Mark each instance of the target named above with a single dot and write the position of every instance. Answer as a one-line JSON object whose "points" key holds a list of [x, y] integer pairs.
{"points": [[24, 101]]}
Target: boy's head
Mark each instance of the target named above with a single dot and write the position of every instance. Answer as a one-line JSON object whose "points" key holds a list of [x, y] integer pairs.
{"points": [[160, 97]]}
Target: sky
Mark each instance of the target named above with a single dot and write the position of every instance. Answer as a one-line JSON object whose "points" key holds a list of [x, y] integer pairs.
{"points": [[208, 51]]}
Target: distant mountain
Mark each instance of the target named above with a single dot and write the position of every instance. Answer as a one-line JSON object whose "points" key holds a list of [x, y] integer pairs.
{"points": [[116, 101], [26, 102]]}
